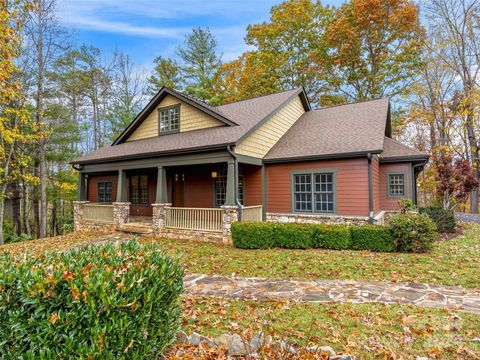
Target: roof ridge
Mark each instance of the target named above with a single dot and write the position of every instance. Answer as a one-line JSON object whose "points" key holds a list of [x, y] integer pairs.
{"points": [[259, 96], [353, 103]]}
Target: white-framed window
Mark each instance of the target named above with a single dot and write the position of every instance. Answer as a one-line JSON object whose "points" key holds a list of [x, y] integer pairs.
{"points": [[169, 119]]}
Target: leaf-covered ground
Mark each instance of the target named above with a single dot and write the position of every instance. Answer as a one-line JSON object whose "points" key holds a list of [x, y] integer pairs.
{"points": [[366, 330], [452, 262]]}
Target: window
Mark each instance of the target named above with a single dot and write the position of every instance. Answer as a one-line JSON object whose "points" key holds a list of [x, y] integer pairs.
{"points": [[221, 187], [104, 192], [396, 185], [169, 119], [314, 192], [139, 189]]}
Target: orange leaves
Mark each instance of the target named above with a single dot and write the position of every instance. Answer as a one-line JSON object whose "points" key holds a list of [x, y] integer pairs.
{"points": [[67, 275], [53, 319]]}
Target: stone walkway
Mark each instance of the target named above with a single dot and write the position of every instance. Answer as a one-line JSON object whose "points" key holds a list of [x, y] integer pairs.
{"points": [[323, 291]]}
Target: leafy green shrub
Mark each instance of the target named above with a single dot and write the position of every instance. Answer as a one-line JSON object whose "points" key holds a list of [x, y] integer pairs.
{"points": [[373, 238], [443, 218], [334, 237], [253, 235], [293, 236], [413, 232], [102, 302], [8, 231]]}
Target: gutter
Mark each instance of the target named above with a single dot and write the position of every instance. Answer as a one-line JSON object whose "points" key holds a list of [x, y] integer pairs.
{"points": [[235, 184], [370, 188], [414, 181]]}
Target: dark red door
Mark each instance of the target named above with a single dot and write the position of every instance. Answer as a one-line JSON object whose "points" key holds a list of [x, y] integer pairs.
{"points": [[178, 190]]}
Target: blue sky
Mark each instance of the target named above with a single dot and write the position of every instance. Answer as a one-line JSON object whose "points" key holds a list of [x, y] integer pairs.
{"points": [[144, 29]]}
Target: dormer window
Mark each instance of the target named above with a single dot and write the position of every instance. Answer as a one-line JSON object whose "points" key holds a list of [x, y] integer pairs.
{"points": [[169, 119]]}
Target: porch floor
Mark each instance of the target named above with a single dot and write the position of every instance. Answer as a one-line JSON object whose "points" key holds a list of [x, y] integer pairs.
{"points": [[140, 225]]}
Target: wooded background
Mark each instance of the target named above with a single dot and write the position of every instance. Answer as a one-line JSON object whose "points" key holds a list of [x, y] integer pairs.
{"points": [[60, 99]]}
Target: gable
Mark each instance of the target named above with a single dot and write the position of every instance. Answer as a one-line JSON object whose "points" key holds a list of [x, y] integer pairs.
{"points": [[190, 119], [262, 139]]}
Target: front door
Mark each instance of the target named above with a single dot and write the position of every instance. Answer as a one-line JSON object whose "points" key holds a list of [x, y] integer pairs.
{"points": [[178, 190]]}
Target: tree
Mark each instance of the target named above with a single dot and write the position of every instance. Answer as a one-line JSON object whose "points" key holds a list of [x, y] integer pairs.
{"points": [[16, 129], [200, 62], [167, 72], [375, 47], [456, 21]]}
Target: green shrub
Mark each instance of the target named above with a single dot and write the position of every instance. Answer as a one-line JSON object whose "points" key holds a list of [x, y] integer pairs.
{"points": [[253, 235], [334, 237], [443, 218], [293, 236], [373, 238], [413, 232], [102, 302], [8, 231]]}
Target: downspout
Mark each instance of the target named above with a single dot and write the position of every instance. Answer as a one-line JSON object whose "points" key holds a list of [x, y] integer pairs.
{"points": [[414, 181], [235, 184], [370, 188]]}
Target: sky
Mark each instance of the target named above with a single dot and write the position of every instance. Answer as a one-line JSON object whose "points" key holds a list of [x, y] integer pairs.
{"points": [[145, 29]]}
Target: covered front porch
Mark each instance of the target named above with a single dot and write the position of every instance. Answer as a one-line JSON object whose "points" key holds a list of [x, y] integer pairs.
{"points": [[201, 194]]}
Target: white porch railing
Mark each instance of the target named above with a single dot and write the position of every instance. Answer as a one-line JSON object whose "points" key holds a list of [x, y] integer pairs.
{"points": [[203, 219], [252, 213], [98, 212]]}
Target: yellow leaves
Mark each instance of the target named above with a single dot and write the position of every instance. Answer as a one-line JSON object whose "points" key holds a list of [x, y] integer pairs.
{"points": [[53, 319]]}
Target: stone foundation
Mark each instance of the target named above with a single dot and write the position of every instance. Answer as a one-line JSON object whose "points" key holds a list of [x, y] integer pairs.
{"points": [[81, 224], [316, 219], [121, 213], [180, 234]]}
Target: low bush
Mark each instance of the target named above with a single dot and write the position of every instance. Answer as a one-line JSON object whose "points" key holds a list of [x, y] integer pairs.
{"points": [[413, 232], [334, 237], [102, 302], [372, 237], [444, 219], [253, 235], [293, 236]]}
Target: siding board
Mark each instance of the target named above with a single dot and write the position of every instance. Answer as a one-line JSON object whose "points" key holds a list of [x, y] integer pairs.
{"points": [[93, 180], [351, 185], [263, 138], [387, 203], [190, 119]]}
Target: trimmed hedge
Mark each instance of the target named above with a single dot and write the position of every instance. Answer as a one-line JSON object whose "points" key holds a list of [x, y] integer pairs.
{"points": [[413, 232], [293, 236], [443, 218], [253, 235], [372, 237], [333, 237], [103, 302]]}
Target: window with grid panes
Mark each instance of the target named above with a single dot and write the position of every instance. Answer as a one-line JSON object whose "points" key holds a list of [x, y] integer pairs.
{"points": [[314, 192], [104, 192], [169, 119], [221, 187], [396, 185], [139, 189]]}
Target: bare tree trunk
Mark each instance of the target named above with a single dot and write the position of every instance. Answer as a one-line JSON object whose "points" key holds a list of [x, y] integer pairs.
{"points": [[472, 140], [36, 203], [3, 189], [16, 210], [25, 213]]}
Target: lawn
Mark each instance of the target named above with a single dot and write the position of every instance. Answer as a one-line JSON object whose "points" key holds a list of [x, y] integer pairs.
{"points": [[452, 262], [365, 330]]}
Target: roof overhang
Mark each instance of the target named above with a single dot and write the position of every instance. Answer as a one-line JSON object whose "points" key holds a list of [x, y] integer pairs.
{"points": [[398, 159], [161, 94], [323, 157]]}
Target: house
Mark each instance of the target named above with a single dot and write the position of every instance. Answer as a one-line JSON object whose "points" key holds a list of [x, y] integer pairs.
{"points": [[187, 169]]}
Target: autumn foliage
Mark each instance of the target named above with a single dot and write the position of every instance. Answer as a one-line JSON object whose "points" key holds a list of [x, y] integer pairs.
{"points": [[102, 302]]}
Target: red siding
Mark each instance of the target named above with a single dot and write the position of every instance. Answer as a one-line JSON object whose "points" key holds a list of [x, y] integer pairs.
{"points": [[387, 203], [92, 186], [351, 185], [252, 176]]}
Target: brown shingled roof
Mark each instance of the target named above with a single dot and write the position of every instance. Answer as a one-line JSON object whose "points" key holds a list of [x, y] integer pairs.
{"points": [[335, 131], [246, 114], [393, 150]]}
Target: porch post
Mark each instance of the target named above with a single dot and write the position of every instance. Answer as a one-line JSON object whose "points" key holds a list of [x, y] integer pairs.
{"points": [[161, 194], [121, 186], [82, 187], [264, 192], [230, 191]]}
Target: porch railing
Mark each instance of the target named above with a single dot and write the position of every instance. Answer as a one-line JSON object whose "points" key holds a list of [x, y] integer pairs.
{"points": [[98, 212], [252, 213], [203, 219]]}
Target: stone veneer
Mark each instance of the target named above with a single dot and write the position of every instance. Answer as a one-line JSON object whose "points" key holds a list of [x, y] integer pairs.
{"points": [[230, 215], [380, 219], [121, 213], [81, 224]]}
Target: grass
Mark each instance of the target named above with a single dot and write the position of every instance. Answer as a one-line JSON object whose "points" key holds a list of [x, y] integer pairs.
{"points": [[452, 262], [365, 330]]}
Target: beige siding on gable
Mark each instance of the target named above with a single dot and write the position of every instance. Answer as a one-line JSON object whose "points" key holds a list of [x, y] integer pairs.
{"points": [[263, 139], [190, 119]]}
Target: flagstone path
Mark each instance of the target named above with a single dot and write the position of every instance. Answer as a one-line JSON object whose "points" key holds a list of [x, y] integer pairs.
{"points": [[323, 291]]}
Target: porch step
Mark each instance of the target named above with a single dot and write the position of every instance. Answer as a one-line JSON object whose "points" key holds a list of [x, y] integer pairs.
{"points": [[136, 228]]}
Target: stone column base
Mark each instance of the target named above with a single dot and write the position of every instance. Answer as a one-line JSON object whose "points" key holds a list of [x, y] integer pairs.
{"points": [[158, 217], [121, 213], [78, 214], [230, 215]]}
